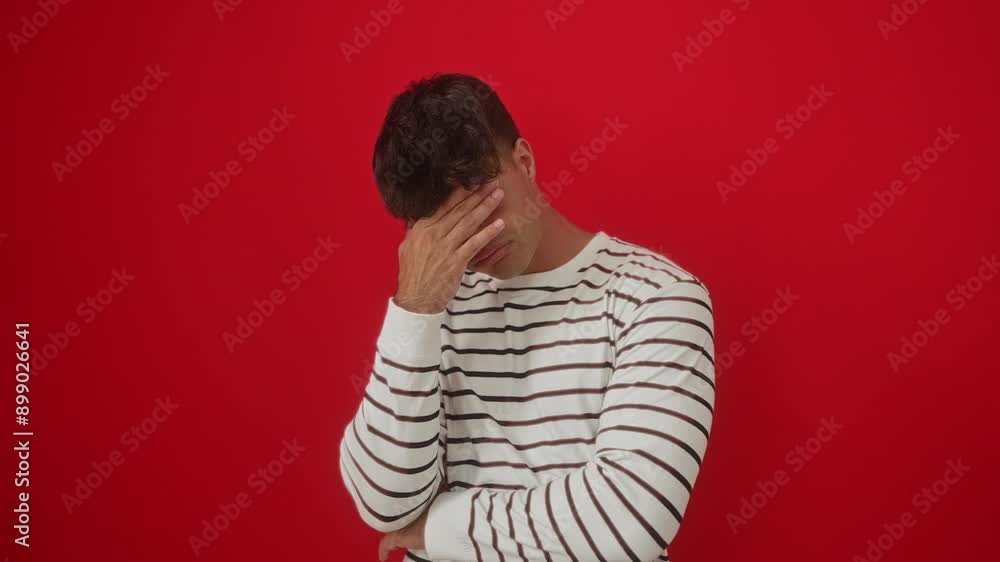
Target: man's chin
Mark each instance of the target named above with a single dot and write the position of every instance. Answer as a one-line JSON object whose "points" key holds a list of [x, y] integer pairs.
{"points": [[502, 269], [495, 272]]}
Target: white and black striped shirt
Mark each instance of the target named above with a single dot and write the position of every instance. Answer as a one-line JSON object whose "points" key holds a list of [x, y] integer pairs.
{"points": [[566, 411]]}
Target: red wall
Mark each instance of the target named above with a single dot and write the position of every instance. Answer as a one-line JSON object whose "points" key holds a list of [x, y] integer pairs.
{"points": [[296, 377]]}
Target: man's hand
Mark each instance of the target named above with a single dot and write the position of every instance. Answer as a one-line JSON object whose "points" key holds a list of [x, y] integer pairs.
{"points": [[437, 249], [409, 537]]}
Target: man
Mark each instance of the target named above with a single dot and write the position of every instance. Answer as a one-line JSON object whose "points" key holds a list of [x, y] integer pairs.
{"points": [[539, 392]]}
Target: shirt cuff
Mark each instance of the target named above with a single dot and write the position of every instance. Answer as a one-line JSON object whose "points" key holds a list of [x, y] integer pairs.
{"points": [[409, 335], [446, 531]]}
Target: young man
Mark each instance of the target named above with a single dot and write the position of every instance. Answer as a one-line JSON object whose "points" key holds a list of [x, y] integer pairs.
{"points": [[539, 392]]}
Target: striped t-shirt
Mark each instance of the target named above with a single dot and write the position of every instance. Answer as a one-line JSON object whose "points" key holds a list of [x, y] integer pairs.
{"points": [[566, 412]]}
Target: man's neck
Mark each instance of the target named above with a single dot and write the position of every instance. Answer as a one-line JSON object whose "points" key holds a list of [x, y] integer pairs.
{"points": [[560, 242]]}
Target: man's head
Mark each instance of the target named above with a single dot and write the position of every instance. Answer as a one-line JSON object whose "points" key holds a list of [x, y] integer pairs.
{"points": [[451, 132]]}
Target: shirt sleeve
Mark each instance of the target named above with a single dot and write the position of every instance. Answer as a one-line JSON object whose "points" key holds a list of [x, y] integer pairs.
{"points": [[627, 502], [391, 451]]}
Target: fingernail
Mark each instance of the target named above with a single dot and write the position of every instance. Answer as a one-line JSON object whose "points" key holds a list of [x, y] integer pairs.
{"points": [[497, 194]]}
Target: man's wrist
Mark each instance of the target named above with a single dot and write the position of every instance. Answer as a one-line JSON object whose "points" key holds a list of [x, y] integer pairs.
{"points": [[415, 306], [408, 336]]}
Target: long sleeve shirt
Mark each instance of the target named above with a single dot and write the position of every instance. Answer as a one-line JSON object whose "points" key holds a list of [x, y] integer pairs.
{"points": [[567, 412]]}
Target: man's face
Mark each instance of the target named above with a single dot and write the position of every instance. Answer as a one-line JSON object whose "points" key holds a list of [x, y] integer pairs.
{"points": [[522, 231], [521, 212]]}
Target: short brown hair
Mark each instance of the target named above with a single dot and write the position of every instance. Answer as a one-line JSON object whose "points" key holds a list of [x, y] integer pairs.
{"points": [[441, 132]]}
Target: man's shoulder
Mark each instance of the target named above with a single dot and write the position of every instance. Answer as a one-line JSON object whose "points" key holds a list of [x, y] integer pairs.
{"points": [[642, 270]]}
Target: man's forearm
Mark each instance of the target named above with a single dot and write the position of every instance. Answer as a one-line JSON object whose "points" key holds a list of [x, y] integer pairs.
{"points": [[627, 502], [389, 452]]}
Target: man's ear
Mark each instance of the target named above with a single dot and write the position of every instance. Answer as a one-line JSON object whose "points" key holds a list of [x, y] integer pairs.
{"points": [[524, 158]]}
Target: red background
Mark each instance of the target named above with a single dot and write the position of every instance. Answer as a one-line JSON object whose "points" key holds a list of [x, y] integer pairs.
{"points": [[297, 376]]}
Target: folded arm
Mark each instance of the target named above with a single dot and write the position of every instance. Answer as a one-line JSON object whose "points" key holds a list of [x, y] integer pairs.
{"points": [[627, 502], [390, 451]]}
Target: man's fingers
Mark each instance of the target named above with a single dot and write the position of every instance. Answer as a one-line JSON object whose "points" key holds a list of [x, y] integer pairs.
{"points": [[478, 241], [459, 194], [458, 212], [386, 545], [472, 221]]}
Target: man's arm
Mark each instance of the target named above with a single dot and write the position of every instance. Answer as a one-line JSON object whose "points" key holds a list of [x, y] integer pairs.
{"points": [[389, 453], [627, 502]]}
